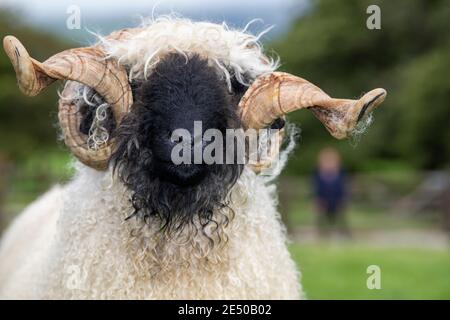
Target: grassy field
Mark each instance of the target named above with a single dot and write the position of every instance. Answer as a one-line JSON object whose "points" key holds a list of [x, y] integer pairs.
{"points": [[339, 272]]}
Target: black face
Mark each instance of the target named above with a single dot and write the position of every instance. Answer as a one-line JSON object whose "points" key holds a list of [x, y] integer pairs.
{"points": [[178, 92]]}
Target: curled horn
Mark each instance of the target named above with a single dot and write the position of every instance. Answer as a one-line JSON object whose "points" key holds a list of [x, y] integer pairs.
{"points": [[88, 66], [271, 96]]}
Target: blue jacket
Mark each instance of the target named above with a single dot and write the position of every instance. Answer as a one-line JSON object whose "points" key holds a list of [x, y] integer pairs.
{"points": [[330, 191]]}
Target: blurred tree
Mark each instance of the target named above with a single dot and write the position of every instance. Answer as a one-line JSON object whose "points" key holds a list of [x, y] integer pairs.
{"points": [[410, 56]]}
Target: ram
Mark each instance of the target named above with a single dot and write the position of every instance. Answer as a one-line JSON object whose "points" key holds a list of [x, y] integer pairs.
{"points": [[132, 223]]}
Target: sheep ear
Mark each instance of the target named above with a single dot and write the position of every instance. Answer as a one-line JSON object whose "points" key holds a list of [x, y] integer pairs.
{"points": [[89, 66], [274, 95]]}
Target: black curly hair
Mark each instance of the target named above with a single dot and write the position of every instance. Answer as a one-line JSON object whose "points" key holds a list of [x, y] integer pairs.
{"points": [[179, 91]]}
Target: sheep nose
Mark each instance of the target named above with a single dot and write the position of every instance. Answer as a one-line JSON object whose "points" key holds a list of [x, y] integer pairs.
{"points": [[188, 137], [184, 139]]}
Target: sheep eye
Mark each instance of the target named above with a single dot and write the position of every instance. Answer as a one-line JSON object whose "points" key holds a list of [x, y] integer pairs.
{"points": [[278, 124]]}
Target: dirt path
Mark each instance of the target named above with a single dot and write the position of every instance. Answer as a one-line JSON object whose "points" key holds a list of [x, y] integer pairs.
{"points": [[400, 238]]}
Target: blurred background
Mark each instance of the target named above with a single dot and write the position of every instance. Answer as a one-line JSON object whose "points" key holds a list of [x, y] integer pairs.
{"points": [[392, 204]]}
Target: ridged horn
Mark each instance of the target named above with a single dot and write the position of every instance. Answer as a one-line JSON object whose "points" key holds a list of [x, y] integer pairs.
{"points": [[274, 95], [88, 66]]}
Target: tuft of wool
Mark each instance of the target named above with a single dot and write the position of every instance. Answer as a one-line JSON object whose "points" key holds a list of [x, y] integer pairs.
{"points": [[87, 100], [293, 133], [361, 127], [232, 52]]}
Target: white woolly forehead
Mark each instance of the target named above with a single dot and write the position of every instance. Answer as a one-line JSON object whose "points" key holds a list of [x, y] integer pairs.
{"points": [[232, 52]]}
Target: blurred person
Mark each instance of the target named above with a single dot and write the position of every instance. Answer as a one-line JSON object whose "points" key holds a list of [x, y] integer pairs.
{"points": [[330, 193]]}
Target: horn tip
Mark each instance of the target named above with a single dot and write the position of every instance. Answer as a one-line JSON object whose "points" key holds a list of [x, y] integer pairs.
{"points": [[7, 39], [14, 49], [22, 64], [379, 94], [10, 43]]}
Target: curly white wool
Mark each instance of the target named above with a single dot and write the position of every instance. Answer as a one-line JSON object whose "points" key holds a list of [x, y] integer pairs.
{"points": [[233, 52], [74, 243], [98, 135]]}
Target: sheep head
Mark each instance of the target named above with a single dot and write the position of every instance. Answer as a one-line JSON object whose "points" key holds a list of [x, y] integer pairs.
{"points": [[182, 88]]}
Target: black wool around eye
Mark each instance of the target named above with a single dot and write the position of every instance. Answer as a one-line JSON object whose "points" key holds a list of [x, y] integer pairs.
{"points": [[178, 92]]}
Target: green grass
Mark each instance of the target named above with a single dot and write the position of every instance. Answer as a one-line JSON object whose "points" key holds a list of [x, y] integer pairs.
{"points": [[339, 272]]}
